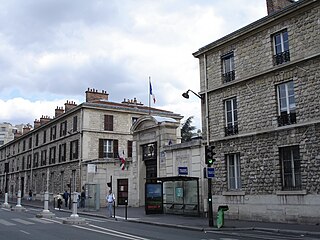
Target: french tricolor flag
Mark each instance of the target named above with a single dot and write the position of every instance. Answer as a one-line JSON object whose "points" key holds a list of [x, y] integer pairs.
{"points": [[151, 93]]}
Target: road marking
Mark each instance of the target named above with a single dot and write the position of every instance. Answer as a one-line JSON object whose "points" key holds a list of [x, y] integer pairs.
{"points": [[6, 223], [24, 232], [40, 220], [19, 220], [111, 232]]}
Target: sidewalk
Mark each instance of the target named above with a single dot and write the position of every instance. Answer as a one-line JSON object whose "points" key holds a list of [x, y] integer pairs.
{"points": [[187, 222]]}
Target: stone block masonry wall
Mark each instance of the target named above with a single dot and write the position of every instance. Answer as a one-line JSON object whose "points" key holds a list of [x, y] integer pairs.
{"points": [[253, 53], [257, 104], [261, 196]]}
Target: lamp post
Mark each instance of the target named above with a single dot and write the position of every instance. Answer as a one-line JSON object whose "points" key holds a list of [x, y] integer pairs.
{"points": [[210, 214]]}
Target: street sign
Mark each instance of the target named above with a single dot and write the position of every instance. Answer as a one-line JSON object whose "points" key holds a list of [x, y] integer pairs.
{"points": [[182, 170], [210, 172]]}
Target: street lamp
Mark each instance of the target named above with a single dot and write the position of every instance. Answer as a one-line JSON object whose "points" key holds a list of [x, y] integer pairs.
{"points": [[186, 95]]}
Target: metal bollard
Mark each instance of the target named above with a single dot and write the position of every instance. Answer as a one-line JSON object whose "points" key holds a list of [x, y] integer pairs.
{"points": [[74, 206], [126, 209]]}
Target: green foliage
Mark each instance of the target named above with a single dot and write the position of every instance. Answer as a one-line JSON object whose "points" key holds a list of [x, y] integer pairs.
{"points": [[187, 130]]}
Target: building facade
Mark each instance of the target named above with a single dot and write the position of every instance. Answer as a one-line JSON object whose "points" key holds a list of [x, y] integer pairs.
{"points": [[87, 146], [262, 92]]}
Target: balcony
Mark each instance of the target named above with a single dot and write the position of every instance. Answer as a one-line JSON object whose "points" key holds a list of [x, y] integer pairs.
{"points": [[228, 76], [287, 119], [231, 130], [281, 57]]}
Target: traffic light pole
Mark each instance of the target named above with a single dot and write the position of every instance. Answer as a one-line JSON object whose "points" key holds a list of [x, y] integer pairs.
{"points": [[210, 210]]}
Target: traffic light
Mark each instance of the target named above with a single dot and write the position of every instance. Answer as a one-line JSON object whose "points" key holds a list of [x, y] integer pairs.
{"points": [[209, 153]]}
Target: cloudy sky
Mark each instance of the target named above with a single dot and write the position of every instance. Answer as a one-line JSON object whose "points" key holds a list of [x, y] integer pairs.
{"points": [[53, 50]]}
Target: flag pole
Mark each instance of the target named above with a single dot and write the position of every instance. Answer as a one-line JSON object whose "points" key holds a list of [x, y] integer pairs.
{"points": [[149, 94]]}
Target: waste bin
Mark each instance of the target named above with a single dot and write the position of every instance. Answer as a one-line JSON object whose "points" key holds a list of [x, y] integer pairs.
{"points": [[220, 216]]}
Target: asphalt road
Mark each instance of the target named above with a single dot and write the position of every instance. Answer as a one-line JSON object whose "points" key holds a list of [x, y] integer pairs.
{"points": [[25, 225]]}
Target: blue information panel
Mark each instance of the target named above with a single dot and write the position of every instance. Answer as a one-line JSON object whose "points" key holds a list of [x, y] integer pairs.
{"points": [[210, 172], [183, 170]]}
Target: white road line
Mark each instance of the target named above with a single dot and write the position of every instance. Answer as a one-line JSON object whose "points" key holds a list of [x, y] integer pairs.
{"points": [[6, 223], [118, 234], [24, 232], [19, 220], [40, 220]]}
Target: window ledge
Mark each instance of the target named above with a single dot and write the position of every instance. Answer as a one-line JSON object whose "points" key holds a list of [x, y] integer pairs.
{"points": [[233, 193], [294, 192]]}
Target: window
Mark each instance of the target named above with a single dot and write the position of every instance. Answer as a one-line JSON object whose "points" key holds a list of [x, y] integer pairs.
{"points": [[286, 104], [281, 47], [75, 124], [24, 145], [133, 120], [63, 128], [29, 161], [234, 176], [43, 157], [290, 168], [129, 148], [52, 155], [62, 152], [36, 159], [108, 148], [44, 136], [23, 163], [37, 139], [231, 117], [53, 132], [108, 122], [228, 73], [30, 142], [74, 149]]}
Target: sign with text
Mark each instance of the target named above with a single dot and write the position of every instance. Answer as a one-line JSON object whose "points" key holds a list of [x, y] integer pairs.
{"points": [[210, 172], [182, 170]]}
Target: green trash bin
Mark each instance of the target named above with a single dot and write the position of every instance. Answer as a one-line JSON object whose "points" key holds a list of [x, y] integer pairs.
{"points": [[220, 216]]}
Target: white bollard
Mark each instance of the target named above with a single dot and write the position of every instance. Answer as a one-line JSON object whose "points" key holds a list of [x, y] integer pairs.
{"points": [[19, 199], [46, 202], [74, 206], [6, 204]]}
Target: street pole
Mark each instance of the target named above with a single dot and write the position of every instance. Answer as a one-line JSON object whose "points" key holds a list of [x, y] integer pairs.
{"points": [[210, 215]]}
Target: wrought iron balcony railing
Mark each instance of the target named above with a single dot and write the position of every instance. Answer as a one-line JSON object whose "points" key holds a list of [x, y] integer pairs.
{"points": [[287, 119], [231, 130], [281, 57], [228, 76]]}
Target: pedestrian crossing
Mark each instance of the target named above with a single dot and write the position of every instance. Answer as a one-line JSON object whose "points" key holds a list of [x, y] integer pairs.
{"points": [[24, 221]]}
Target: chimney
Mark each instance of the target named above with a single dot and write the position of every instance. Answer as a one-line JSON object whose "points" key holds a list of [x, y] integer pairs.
{"points": [[58, 111], [69, 105], [93, 95], [36, 123], [26, 130], [44, 120], [17, 135], [277, 5]]}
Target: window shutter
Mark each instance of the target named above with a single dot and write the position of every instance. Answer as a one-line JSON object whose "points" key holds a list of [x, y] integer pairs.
{"points": [[115, 149], [108, 122], [100, 148]]}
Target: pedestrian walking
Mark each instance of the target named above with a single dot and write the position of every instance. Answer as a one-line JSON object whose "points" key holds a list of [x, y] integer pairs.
{"points": [[66, 197], [82, 198], [30, 195], [110, 201]]}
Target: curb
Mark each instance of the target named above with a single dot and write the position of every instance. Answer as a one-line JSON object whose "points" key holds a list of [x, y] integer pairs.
{"points": [[205, 229]]}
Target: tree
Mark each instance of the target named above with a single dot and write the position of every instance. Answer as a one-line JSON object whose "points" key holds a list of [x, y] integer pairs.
{"points": [[187, 130]]}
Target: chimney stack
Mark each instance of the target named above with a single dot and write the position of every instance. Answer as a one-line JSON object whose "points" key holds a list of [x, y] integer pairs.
{"points": [[277, 5], [69, 105], [93, 95], [26, 130], [58, 111], [44, 120], [36, 123]]}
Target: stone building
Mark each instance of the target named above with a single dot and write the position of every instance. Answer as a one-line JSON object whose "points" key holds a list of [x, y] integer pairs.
{"points": [[262, 92], [88, 145]]}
